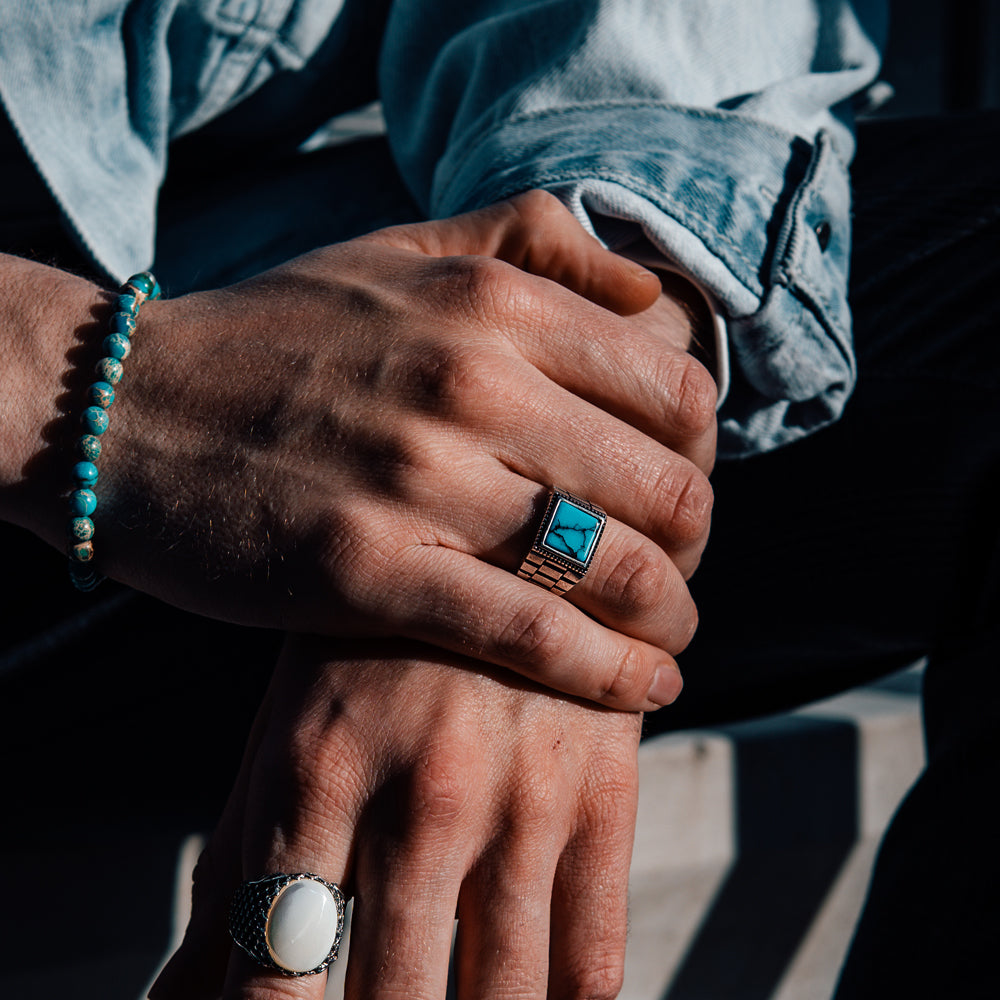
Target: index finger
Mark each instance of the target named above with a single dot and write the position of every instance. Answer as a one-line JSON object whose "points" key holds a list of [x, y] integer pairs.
{"points": [[536, 233]]}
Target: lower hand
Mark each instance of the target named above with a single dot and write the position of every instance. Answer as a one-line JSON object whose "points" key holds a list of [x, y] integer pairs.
{"points": [[426, 792]]}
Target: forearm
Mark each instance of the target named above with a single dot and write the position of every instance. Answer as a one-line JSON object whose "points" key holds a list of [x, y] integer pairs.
{"points": [[43, 312]]}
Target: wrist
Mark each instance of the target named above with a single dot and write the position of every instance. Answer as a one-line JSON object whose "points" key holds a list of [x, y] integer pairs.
{"points": [[48, 320]]}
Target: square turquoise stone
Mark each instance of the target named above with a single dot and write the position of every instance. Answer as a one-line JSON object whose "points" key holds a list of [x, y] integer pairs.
{"points": [[572, 531]]}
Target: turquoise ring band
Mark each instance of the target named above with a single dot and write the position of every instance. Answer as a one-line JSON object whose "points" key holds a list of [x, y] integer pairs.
{"points": [[565, 543]]}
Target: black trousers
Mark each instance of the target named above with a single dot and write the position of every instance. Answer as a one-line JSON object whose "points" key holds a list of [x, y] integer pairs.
{"points": [[833, 561], [877, 542]]}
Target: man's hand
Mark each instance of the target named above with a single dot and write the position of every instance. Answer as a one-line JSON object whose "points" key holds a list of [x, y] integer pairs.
{"points": [[360, 442], [427, 792]]}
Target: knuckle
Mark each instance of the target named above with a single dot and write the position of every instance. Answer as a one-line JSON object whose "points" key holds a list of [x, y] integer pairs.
{"points": [[691, 509], [482, 287], [597, 980], [530, 213], [538, 200], [638, 582], [686, 630], [453, 379], [689, 561], [440, 789], [534, 207], [610, 801], [433, 376], [476, 381], [538, 802], [682, 626], [534, 636], [696, 396], [629, 679]]}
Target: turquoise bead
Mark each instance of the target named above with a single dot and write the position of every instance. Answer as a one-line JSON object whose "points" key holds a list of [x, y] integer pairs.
{"points": [[117, 346], [143, 282], [109, 369], [82, 552], [101, 394], [95, 420], [85, 473], [83, 503], [571, 531], [81, 529], [89, 448], [123, 322]]}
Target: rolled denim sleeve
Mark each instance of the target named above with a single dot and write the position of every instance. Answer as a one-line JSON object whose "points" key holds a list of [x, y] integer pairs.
{"points": [[722, 132]]}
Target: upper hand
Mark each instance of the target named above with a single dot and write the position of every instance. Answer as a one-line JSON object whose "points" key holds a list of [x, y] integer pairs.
{"points": [[359, 442], [426, 792]]}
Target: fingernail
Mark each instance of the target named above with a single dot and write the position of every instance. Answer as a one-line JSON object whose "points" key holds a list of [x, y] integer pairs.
{"points": [[638, 271], [666, 686]]}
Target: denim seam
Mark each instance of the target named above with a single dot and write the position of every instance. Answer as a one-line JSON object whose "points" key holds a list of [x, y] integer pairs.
{"points": [[231, 72], [707, 114], [786, 272]]}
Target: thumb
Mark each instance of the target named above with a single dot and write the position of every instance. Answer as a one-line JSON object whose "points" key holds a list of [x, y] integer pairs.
{"points": [[538, 234]]}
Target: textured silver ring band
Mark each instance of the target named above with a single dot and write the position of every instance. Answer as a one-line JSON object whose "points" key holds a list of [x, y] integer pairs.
{"points": [[291, 923], [564, 544]]}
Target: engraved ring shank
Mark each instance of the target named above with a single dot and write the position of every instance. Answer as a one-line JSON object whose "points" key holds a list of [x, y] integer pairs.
{"points": [[565, 543]]}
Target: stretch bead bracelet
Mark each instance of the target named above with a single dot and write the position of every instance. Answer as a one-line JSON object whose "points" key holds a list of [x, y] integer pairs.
{"points": [[100, 395]]}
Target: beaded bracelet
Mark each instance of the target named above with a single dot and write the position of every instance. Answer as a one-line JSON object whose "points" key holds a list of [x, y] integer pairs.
{"points": [[101, 394]]}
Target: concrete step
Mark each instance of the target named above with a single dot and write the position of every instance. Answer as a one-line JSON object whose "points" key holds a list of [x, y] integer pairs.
{"points": [[754, 846]]}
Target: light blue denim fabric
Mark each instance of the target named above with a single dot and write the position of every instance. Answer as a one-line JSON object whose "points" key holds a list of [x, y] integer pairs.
{"points": [[718, 132]]}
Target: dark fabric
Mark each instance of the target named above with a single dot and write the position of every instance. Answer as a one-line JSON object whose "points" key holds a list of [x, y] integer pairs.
{"points": [[836, 560], [876, 543], [861, 549]]}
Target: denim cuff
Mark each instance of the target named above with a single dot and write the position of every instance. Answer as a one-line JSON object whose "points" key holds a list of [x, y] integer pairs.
{"points": [[756, 215]]}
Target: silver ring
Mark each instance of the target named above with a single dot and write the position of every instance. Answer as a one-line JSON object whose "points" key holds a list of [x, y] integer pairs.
{"points": [[291, 923], [565, 543]]}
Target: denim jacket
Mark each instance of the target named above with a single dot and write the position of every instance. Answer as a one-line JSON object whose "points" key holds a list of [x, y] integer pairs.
{"points": [[714, 133]]}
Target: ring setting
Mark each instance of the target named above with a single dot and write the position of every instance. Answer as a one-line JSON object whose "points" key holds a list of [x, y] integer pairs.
{"points": [[565, 542], [291, 923]]}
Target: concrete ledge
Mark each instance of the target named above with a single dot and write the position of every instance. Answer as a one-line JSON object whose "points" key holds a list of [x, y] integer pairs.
{"points": [[753, 850], [755, 845]]}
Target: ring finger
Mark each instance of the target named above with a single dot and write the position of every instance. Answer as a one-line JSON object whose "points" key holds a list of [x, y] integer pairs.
{"points": [[632, 588]]}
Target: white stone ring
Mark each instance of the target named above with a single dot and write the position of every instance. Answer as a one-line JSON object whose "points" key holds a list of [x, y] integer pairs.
{"points": [[565, 542], [292, 923]]}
